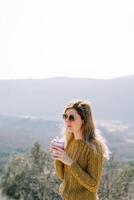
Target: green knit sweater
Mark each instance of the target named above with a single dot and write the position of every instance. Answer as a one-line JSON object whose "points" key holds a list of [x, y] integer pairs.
{"points": [[81, 180]]}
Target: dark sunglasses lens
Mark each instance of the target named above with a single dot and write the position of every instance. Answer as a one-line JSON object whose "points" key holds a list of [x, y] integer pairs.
{"points": [[64, 116], [71, 118]]}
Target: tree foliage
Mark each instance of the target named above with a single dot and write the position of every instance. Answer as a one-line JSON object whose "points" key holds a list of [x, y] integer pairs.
{"points": [[31, 176], [117, 181], [21, 179]]}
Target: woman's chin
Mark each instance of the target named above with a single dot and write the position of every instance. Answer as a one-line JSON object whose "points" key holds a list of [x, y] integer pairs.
{"points": [[69, 129]]}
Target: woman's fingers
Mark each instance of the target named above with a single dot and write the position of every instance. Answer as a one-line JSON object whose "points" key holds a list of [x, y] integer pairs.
{"points": [[55, 157], [56, 152], [57, 148]]}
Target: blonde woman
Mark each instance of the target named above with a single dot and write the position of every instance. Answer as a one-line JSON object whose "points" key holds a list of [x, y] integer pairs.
{"points": [[80, 164]]}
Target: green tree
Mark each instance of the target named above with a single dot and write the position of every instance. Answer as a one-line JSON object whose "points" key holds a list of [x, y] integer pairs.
{"points": [[21, 179], [124, 183], [117, 181]]}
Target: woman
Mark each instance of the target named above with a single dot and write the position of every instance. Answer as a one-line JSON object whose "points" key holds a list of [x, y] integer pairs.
{"points": [[80, 164]]}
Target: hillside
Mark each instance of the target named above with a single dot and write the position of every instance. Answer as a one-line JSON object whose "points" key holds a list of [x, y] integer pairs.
{"points": [[17, 133], [111, 99]]}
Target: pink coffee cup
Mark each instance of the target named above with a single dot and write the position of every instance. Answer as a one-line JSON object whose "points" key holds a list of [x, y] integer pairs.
{"points": [[58, 143]]}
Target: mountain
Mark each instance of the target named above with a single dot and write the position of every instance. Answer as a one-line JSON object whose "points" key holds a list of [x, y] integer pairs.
{"points": [[111, 99], [18, 133]]}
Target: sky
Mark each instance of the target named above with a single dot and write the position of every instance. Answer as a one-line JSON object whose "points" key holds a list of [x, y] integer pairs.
{"points": [[47, 38]]}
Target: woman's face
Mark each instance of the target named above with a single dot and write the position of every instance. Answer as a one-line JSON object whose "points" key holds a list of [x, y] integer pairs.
{"points": [[72, 125]]}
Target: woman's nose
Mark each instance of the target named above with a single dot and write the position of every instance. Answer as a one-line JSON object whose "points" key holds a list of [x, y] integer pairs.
{"points": [[67, 122]]}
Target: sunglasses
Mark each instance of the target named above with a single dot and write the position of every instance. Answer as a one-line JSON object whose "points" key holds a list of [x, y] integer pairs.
{"points": [[71, 118]]}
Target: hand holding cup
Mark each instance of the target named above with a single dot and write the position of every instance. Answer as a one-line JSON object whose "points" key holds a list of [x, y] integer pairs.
{"points": [[58, 152]]}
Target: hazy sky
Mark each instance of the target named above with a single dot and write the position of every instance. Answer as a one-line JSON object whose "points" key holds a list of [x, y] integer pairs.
{"points": [[45, 38]]}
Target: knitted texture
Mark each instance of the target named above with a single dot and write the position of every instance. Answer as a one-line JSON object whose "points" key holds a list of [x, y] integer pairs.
{"points": [[81, 180]]}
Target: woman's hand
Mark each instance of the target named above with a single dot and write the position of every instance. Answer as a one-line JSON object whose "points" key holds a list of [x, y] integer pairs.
{"points": [[59, 154]]}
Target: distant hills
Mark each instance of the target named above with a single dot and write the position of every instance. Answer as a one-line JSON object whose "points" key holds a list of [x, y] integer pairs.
{"points": [[111, 99], [18, 133], [30, 110]]}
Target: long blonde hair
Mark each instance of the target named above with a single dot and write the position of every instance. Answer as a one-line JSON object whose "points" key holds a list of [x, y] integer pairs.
{"points": [[88, 128]]}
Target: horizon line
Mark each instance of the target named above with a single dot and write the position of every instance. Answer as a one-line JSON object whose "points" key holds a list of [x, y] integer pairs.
{"points": [[73, 77]]}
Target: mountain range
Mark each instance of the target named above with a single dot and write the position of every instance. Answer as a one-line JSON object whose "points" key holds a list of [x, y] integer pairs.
{"points": [[111, 99], [18, 133], [31, 110]]}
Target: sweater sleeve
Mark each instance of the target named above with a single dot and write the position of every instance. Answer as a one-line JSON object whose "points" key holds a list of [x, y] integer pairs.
{"points": [[90, 178], [59, 169]]}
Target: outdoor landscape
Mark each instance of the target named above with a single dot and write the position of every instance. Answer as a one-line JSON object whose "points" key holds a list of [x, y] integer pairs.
{"points": [[30, 117]]}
